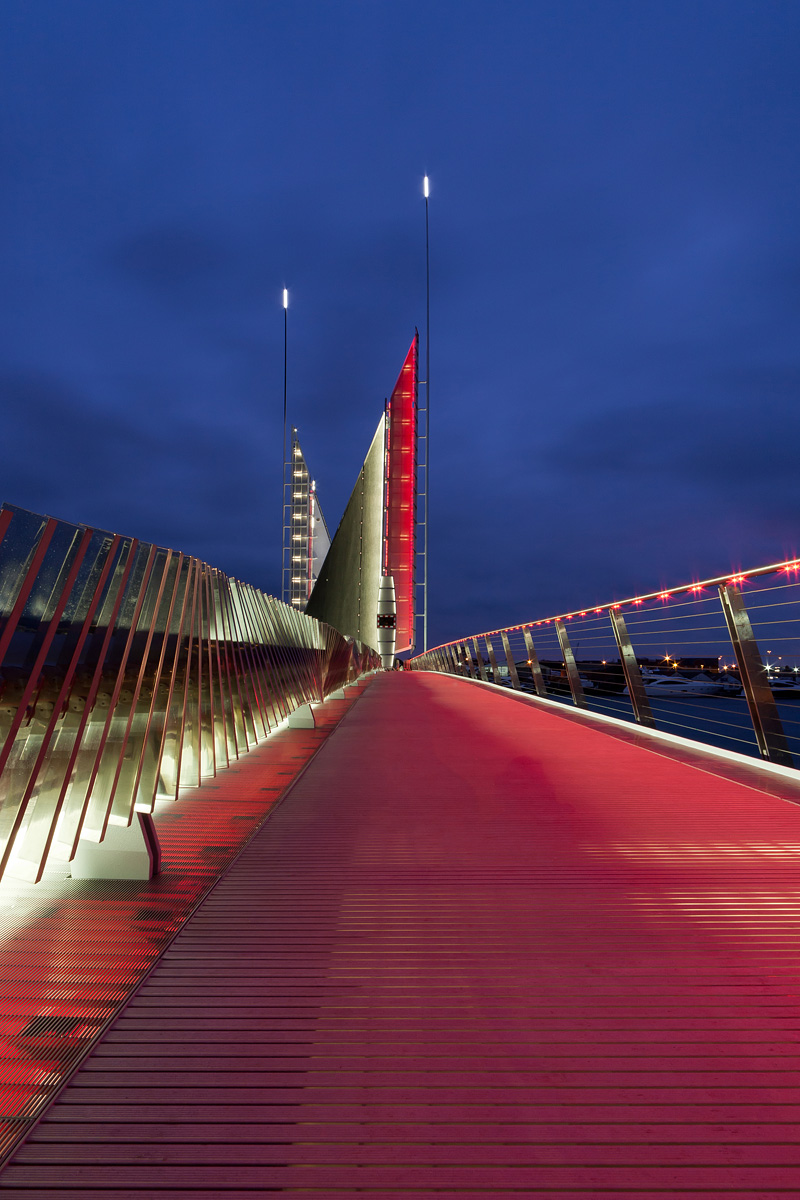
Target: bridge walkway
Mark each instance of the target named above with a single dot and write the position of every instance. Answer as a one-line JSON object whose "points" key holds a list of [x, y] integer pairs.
{"points": [[479, 948]]}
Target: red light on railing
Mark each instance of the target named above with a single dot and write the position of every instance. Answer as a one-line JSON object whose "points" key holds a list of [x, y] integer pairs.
{"points": [[583, 614], [664, 595], [638, 602]]}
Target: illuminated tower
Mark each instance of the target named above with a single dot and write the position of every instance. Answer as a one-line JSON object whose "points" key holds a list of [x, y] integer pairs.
{"points": [[306, 539]]}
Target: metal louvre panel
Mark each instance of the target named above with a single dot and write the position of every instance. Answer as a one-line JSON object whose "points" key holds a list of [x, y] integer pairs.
{"points": [[129, 671]]}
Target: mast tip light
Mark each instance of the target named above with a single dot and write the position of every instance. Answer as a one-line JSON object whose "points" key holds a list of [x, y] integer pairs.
{"points": [[285, 298], [425, 187]]}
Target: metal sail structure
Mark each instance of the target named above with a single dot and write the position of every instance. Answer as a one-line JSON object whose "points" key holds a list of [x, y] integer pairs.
{"points": [[306, 540], [376, 539], [346, 594], [400, 526]]}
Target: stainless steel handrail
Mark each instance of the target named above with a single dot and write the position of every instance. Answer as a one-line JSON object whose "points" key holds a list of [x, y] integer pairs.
{"points": [[664, 659]]}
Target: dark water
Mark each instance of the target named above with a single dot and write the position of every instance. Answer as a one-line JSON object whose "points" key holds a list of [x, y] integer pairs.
{"points": [[722, 721]]}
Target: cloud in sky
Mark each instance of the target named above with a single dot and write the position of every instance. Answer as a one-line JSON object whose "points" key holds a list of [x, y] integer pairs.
{"points": [[616, 277]]}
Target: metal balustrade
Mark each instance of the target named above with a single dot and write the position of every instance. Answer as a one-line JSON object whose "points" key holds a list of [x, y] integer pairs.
{"points": [[716, 660], [128, 672]]}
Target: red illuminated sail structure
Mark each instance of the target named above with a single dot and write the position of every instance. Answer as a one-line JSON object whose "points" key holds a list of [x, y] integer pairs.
{"points": [[399, 545], [377, 533]]}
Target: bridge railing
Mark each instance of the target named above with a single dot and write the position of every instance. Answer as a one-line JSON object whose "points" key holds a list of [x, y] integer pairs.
{"points": [[129, 671], [716, 660]]}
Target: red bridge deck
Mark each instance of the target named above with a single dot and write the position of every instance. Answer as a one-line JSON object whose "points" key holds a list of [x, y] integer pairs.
{"points": [[478, 949]]}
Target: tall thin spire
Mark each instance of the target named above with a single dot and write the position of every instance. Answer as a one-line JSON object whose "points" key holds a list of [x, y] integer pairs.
{"points": [[286, 543], [426, 191]]}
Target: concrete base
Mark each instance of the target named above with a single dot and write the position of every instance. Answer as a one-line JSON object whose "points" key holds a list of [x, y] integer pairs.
{"points": [[126, 852], [337, 695], [302, 718]]}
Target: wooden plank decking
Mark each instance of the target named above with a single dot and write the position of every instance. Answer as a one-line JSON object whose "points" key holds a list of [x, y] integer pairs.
{"points": [[479, 949], [73, 951]]}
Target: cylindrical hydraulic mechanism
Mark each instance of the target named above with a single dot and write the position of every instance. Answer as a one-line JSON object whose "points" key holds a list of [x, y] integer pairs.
{"points": [[387, 621]]}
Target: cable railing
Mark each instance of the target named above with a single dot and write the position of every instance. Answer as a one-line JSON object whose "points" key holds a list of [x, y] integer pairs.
{"points": [[716, 660], [129, 672]]}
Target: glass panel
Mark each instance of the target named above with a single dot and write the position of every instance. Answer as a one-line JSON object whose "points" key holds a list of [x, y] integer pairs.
{"points": [[44, 789], [127, 669]]}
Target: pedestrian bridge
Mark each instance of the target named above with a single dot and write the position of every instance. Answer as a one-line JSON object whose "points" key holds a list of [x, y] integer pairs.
{"points": [[481, 944]]}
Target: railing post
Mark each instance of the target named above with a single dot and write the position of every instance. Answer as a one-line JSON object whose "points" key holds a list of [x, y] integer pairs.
{"points": [[630, 667], [492, 660], [512, 666], [533, 662], [453, 660], [575, 685], [760, 700], [479, 661], [468, 660]]}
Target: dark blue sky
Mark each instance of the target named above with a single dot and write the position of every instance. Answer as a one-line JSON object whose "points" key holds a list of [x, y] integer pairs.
{"points": [[616, 277]]}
